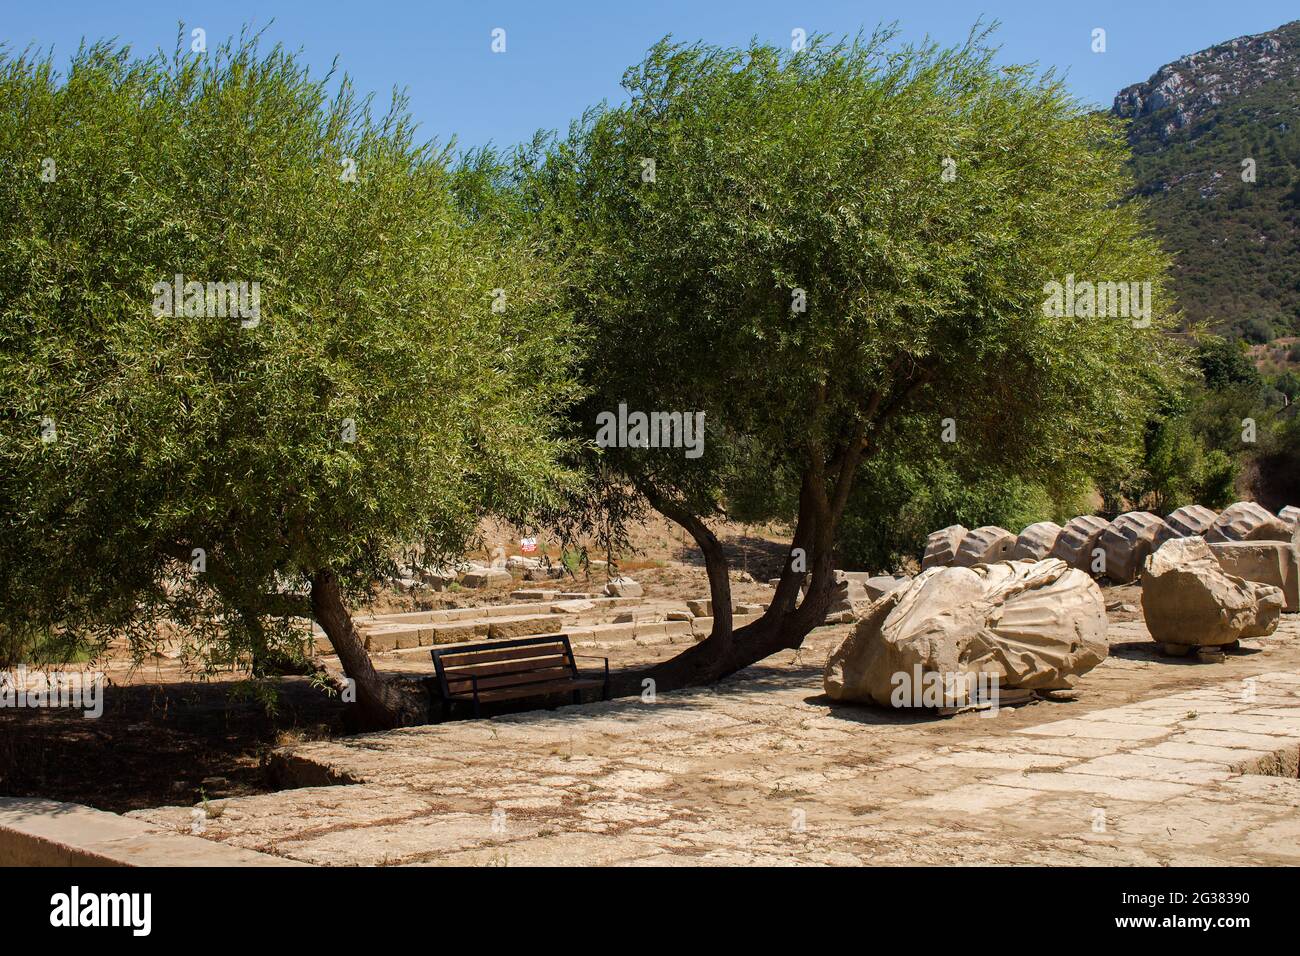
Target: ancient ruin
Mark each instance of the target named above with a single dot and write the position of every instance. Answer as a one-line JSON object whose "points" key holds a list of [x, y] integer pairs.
{"points": [[1078, 540], [1275, 563], [1025, 624], [983, 546], [1192, 520], [941, 547], [1189, 601], [388, 483], [1036, 542], [1247, 521], [1128, 540]]}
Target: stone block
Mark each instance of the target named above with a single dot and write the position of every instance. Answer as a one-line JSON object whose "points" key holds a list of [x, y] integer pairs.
{"points": [[1077, 541], [882, 584], [533, 595], [1030, 625], [1128, 540], [1035, 542], [700, 607], [456, 632], [1192, 520], [573, 606], [984, 545], [1188, 600], [37, 832], [1264, 562], [941, 546], [486, 578], [1247, 521], [1290, 516], [508, 628], [623, 587]]}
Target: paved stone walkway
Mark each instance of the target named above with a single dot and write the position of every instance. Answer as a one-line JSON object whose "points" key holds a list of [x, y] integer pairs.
{"points": [[763, 770]]}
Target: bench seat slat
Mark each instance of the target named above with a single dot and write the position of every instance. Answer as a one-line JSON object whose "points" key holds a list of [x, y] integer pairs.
{"points": [[462, 658], [506, 667], [531, 690], [511, 680]]}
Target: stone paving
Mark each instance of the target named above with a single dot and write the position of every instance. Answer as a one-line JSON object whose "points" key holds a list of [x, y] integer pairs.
{"points": [[1158, 762]]}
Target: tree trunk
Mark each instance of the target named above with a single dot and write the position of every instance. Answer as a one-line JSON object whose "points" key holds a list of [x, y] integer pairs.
{"points": [[823, 496], [783, 627], [381, 703], [717, 657]]}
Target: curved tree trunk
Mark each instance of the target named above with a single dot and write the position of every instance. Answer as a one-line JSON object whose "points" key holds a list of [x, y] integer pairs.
{"points": [[784, 625], [787, 621], [717, 657], [381, 703]]}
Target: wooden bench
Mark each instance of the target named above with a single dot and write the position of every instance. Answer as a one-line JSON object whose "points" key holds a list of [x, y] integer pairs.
{"points": [[511, 670]]}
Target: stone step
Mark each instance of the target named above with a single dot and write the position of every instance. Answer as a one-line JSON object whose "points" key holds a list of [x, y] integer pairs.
{"points": [[448, 615], [398, 637], [534, 594], [37, 832], [587, 612], [604, 622], [506, 628], [392, 637], [642, 633], [444, 615]]}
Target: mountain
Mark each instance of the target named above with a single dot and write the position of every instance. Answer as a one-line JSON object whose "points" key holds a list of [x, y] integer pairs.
{"points": [[1194, 125]]}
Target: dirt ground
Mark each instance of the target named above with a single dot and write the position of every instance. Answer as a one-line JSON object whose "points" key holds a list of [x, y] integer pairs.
{"points": [[1156, 762], [171, 737], [158, 743], [168, 738]]}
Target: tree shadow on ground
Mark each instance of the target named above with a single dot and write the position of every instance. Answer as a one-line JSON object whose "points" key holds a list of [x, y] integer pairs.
{"points": [[158, 744], [756, 680]]}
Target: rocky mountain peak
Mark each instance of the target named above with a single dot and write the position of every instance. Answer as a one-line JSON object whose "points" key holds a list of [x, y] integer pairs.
{"points": [[1181, 93]]}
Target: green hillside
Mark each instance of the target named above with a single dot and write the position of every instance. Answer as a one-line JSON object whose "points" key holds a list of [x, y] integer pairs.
{"points": [[1193, 124]]}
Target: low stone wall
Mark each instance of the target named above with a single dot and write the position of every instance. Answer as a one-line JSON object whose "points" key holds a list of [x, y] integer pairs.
{"points": [[35, 832]]}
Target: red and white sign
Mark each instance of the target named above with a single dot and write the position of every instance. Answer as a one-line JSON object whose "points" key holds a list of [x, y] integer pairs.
{"points": [[528, 545]]}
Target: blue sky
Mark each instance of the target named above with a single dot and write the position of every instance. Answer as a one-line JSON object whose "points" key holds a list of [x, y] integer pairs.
{"points": [[561, 57]]}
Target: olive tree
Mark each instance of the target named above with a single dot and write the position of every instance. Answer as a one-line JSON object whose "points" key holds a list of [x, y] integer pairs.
{"points": [[848, 259], [255, 340]]}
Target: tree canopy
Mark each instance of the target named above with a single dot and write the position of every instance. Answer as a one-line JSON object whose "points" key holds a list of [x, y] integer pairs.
{"points": [[844, 254], [388, 370], [258, 338]]}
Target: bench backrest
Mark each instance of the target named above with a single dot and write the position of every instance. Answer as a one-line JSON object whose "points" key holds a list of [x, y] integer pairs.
{"points": [[502, 664]]}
